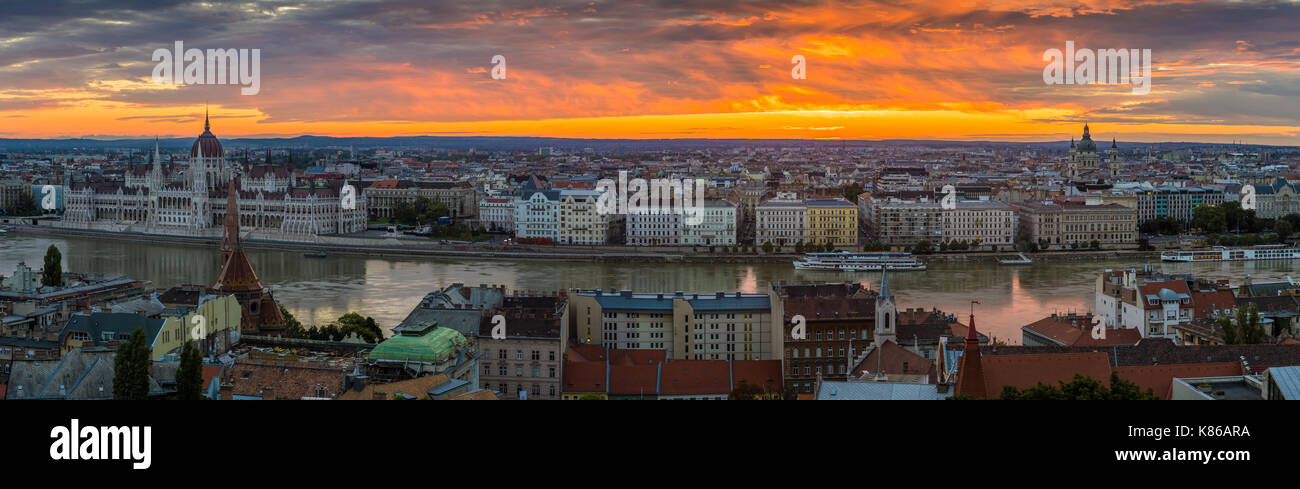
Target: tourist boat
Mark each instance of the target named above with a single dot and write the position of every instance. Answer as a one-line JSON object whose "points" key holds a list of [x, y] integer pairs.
{"points": [[1219, 253], [858, 262]]}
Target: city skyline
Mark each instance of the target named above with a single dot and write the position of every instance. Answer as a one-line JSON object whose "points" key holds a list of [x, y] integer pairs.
{"points": [[599, 70]]}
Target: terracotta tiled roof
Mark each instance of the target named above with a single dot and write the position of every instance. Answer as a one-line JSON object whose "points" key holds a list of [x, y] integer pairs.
{"points": [[1077, 331], [1026, 371], [584, 376], [1159, 378], [417, 387], [766, 374], [895, 360], [696, 377]]}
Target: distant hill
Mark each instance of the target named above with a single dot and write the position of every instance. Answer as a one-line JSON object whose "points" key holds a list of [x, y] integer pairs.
{"points": [[496, 143]]}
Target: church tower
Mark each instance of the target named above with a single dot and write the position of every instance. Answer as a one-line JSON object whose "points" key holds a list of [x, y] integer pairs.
{"points": [[886, 311], [970, 370], [1112, 156]]}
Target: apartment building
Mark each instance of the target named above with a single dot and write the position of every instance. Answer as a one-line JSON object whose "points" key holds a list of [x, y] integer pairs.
{"points": [[566, 216], [383, 196], [654, 229], [527, 362], [719, 326], [782, 221], [718, 226], [1062, 224], [983, 223], [497, 214], [1159, 305], [905, 223], [1167, 201], [833, 220], [838, 319]]}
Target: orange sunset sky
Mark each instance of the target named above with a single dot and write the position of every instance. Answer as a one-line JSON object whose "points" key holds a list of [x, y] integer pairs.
{"points": [[1223, 71]]}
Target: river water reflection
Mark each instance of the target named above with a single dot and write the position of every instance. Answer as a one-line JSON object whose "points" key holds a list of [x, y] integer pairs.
{"points": [[319, 290]]}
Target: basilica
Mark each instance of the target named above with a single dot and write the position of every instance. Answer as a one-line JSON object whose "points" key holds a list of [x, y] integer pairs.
{"points": [[191, 199], [1084, 164]]}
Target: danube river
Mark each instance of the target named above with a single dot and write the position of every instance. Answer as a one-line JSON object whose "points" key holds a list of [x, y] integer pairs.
{"points": [[319, 290]]}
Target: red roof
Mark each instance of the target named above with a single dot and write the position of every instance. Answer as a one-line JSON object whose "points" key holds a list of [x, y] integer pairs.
{"points": [[1026, 371], [1160, 378], [696, 377], [1153, 288], [765, 374], [584, 377], [895, 360], [1077, 331], [630, 380], [1207, 302]]}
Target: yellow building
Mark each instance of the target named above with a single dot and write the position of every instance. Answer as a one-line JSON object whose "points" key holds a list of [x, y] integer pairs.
{"points": [[219, 320], [833, 220]]}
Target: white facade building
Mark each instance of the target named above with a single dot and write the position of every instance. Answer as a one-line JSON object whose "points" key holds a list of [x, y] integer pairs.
{"points": [[718, 226], [783, 221]]}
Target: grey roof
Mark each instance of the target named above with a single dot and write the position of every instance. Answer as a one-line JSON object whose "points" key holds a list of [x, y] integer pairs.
{"points": [[877, 391], [1287, 380], [78, 375], [120, 325]]}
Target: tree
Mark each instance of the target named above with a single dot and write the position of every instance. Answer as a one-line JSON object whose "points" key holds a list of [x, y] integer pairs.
{"points": [[189, 375], [53, 274], [923, 247], [1245, 330], [365, 328], [767, 247], [131, 368], [1082, 388], [1096, 245], [1210, 218], [798, 247], [1283, 228], [851, 192], [292, 328]]}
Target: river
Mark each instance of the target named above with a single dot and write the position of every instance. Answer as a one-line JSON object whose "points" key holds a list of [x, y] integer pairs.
{"points": [[319, 290]]}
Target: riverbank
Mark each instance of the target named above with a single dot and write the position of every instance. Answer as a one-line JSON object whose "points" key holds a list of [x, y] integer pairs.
{"points": [[615, 254]]}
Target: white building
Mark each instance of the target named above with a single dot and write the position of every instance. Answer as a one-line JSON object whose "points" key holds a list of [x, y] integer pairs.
{"points": [[985, 223], [653, 229], [192, 200], [783, 221], [563, 216], [497, 213], [718, 226]]}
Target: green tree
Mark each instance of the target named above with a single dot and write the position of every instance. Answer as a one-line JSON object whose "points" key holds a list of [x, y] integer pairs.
{"points": [[1082, 388], [131, 368], [1210, 218], [798, 247], [292, 328], [1096, 245], [851, 192], [189, 375], [1245, 330], [923, 247], [767, 247], [53, 273], [364, 327], [1283, 228]]}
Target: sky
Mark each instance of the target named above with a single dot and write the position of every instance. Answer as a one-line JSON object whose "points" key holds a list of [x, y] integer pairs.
{"points": [[958, 70]]}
